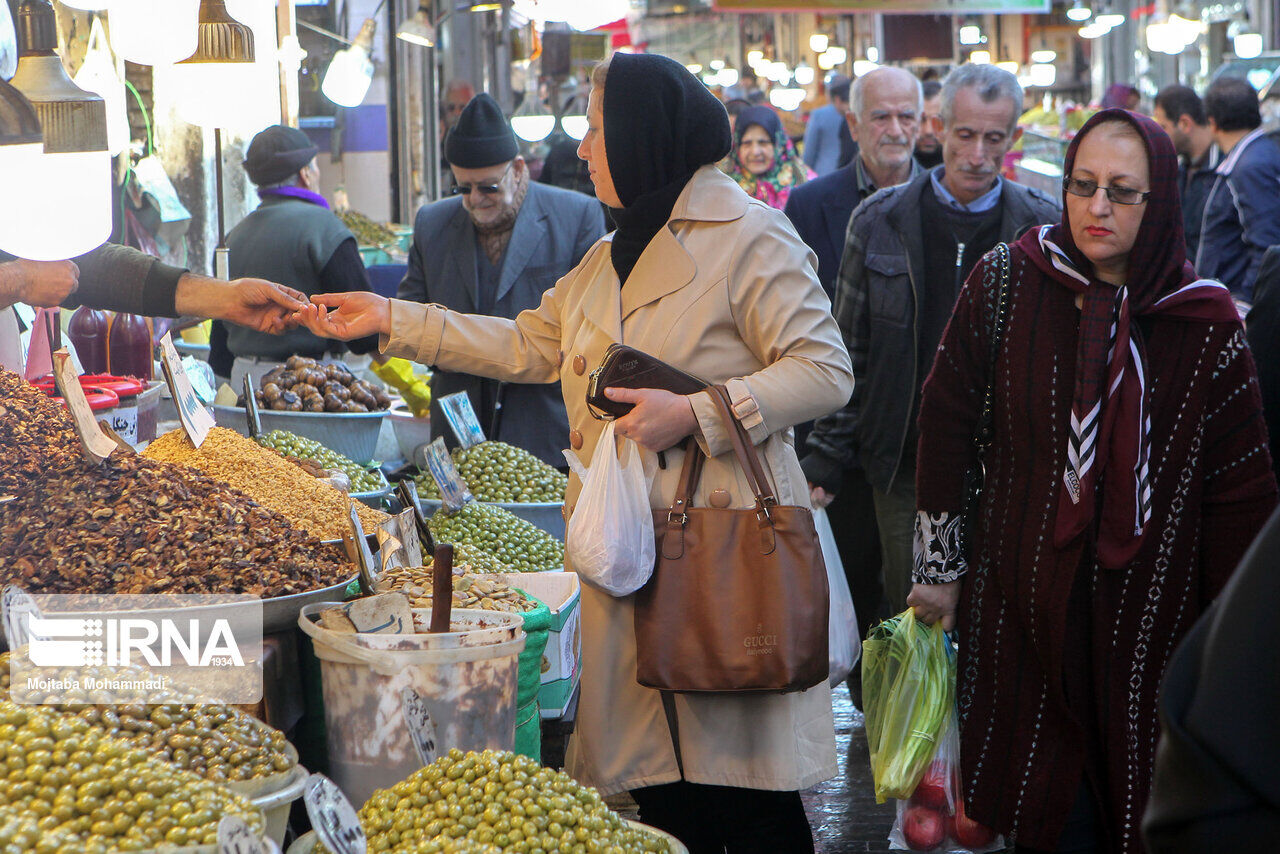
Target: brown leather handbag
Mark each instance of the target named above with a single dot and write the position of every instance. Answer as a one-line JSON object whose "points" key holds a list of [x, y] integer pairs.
{"points": [[738, 597]]}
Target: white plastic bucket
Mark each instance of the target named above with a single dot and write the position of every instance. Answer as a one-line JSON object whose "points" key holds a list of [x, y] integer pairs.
{"points": [[466, 677], [275, 805]]}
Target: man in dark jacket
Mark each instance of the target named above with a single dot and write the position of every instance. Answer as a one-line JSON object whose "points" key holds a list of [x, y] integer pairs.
{"points": [[1242, 213], [291, 237], [495, 249], [1180, 112], [895, 293], [1263, 331]]}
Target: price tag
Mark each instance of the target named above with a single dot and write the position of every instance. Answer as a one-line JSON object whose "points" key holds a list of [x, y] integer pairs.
{"points": [[358, 550], [462, 418], [422, 731], [408, 493], [407, 522], [96, 445], [235, 837], [251, 408], [196, 420], [383, 614], [453, 489], [19, 608], [334, 819], [390, 548]]}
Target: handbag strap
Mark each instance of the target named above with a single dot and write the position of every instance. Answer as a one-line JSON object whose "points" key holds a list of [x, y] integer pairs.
{"points": [[985, 431]]}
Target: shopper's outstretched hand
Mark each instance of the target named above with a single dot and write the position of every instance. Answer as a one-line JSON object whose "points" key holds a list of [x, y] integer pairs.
{"points": [[347, 316], [933, 602]]}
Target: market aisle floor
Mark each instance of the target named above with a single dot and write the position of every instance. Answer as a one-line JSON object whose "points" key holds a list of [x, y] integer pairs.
{"points": [[843, 811]]}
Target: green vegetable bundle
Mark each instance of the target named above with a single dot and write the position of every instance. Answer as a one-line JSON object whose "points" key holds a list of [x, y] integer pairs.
{"points": [[908, 692]]}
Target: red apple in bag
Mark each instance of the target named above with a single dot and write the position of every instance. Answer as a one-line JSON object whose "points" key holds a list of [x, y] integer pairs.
{"points": [[931, 791], [970, 833], [924, 829]]}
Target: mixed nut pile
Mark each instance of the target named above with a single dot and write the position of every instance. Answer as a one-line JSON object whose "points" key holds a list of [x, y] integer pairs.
{"points": [[470, 590], [35, 435]]}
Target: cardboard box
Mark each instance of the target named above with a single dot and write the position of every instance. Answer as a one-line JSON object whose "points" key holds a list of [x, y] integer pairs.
{"points": [[562, 662]]}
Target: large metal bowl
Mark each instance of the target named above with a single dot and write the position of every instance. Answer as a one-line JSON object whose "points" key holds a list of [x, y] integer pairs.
{"points": [[352, 434], [547, 516]]}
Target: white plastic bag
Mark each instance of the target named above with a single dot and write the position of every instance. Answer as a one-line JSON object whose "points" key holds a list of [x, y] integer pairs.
{"points": [[609, 539], [845, 642]]}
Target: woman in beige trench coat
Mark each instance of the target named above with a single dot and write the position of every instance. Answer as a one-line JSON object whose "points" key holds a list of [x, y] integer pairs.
{"points": [[720, 286]]}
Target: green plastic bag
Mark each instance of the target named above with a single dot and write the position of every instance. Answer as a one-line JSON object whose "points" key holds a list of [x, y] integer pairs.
{"points": [[537, 626], [908, 692]]}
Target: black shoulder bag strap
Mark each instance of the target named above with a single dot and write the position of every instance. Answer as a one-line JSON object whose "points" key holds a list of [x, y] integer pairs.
{"points": [[976, 477]]}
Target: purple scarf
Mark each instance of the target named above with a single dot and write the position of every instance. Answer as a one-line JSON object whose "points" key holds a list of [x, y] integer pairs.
{"points": [[295, 193]]}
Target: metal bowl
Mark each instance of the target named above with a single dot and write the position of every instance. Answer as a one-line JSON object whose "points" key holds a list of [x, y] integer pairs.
{"points": [[547, 516], [352, 434]]}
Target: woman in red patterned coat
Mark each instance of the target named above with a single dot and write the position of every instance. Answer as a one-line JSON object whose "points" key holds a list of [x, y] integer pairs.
{"points": [[1127, 474]]}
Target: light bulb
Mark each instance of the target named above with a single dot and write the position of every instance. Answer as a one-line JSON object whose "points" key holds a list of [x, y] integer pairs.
{"points": [[533, 128], [755, 57], [818, 42], [971, 34], [804, 74], [212, 94], [418, 29], [85, 5], [873, 53], [575, 126], [1079, 13], [717, 64], [1043, 74], [980, 57], [153, 32], [66, 202], [1009, 66], [825, 62], [838, 54], [347, 79], [728, 76], [1247, 45], [786, 99], [694, 68], [863, 66], [1110, 20], [1093, 30], [1044, 55]]}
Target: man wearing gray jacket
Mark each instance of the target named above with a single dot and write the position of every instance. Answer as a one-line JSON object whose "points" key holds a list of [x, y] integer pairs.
{"points": [[494, 249], [895, 293]]}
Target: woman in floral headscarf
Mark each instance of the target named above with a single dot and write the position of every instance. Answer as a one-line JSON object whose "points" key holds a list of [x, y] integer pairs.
{"points": [[763, 160], [1127, 473]]}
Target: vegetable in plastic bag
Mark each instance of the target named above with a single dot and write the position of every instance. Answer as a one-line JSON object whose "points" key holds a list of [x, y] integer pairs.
{"points": [[908, 691], [609, 540]]}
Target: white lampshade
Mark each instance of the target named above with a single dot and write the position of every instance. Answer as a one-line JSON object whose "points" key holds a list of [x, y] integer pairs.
{"points": [[980, 57], [785, 98], [804, 74], [728, 76], [1247, 45], [818, 42], [418, 28], [1043, 74], [347, 79], [533, 128], [153, 32], [574, 126], [1079, 13], [838, 54], [1044, 55], [66, 202], [85, 5]]}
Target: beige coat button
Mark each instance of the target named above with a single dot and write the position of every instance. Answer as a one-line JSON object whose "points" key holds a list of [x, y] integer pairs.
{"points": [[719, 499], [579, 365], [575, 437]]}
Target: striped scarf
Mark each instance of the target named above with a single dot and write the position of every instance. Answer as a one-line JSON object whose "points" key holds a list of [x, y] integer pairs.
{"points": [[1110, 433]]}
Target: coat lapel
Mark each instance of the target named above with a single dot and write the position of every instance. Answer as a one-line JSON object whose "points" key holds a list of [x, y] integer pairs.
{"points": [[528, 234], [602, 302], [462, 256]]}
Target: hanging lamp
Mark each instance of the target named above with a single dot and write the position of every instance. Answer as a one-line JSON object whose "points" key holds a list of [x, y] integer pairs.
{"points": [[153, 32]]}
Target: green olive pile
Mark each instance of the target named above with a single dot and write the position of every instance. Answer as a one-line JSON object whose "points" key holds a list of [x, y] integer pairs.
{"points": [[217, 742], [496, 802], [89, 793], [292, 445], [305, 385], [496, 471], [367, 232], [477, 559], [521, 545]]}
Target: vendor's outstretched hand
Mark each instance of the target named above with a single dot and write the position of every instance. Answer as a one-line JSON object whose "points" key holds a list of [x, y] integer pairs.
{"points": [[43, 284], [264, 306], [659, 419], [347, 316]]}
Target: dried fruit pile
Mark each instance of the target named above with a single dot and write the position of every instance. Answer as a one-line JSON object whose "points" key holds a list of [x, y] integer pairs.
{"points": [[470, 590], [133, 525], [303, 384], [35, 435], [266, 477]]}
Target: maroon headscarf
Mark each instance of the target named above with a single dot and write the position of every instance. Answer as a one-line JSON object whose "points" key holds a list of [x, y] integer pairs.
{"points": [[1110, 423]]}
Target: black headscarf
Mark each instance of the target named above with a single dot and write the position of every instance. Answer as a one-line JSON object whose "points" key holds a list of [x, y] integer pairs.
{"points": [[660, 125]]}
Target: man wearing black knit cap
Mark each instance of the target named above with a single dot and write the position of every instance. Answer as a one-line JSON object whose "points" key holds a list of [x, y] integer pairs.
{"points": [[494, 248], [292, 238]]}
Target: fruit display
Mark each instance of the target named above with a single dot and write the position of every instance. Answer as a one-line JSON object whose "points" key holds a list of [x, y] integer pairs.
{"points": [[367, 232], [511, 540], [73, 788], [135, 525], [496, 471], [306, 385], [267, 478], [494, 802], [470, 590], [302, 448]]}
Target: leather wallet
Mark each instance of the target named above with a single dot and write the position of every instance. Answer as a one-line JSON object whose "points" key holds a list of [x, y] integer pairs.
{"points": [[627, 367]]}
